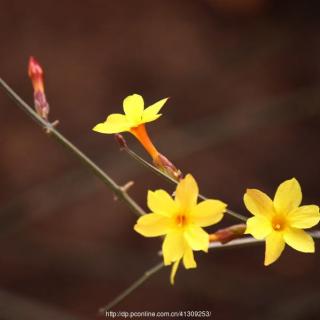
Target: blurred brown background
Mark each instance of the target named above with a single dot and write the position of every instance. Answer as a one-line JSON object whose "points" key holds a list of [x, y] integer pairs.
{"points": [[244, 80]]}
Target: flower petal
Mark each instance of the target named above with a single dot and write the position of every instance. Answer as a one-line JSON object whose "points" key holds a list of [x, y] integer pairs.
{"points": [[160, 201], [188, 259], [151, 113], [304, 217], [288, 196], [115, 123], [259, 227], [207, 212], [173, 247], [153, 225], [258, 203], [174, 271], [299, 240], [197, 238], [187, 193], [133, 108], [274, 247]]}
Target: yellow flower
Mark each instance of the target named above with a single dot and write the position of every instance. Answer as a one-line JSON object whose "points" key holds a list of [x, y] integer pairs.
{"points": [[133, 120], [135, 115], [180, 220], [282, 220]]}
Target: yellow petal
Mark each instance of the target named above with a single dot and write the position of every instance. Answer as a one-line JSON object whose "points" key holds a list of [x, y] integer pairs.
{"points": [[151, 113], [188, 259], [173, 247], [196, 238], [174, 271], [299, 240], [258, 203], [288, 196], [133, 108], [153, 225], [207, 212], [304, 217], [115, 123], [187, 193], [259, 227], [274, 247], [160, 201]]}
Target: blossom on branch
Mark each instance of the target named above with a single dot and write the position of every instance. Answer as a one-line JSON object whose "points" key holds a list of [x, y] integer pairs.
{"points": [[180, 220], [282, 220], [134, 115], [133, 120]]}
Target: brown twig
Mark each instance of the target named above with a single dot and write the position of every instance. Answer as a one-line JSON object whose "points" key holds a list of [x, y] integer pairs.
{"points": [[50, 127]]}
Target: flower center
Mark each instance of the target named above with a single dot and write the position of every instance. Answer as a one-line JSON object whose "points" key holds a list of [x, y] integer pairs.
{"points": [[278, 223], [181, 220]]}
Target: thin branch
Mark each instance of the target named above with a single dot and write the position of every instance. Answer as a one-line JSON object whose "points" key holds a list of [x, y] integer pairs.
{"points": [[158, 172], [135, 285], [247, 241], [243, 242], [49, 128]]}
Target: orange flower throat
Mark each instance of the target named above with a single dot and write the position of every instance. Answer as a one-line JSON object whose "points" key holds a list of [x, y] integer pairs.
{"points": [[141, 134]]}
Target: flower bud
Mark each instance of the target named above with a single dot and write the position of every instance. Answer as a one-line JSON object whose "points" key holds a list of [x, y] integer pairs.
{"points": [[227, 234], [35, 73], [166, 166], [121, 141]]}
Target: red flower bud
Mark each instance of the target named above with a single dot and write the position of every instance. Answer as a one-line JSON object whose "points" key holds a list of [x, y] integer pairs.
{"points": [[227, 234], [35, 73]]}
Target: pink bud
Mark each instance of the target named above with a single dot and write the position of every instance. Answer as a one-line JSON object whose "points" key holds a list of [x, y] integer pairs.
{"points": [[35, 73]]}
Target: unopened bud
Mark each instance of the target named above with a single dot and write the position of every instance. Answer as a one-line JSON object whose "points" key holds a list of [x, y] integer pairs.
{"points": [[41, 105], [227, 234], [35, 73], [166, 166], [121, 141]]}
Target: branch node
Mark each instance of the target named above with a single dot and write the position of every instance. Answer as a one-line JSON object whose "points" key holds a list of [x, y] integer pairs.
{"points": [[51, 125], [124, 188]]}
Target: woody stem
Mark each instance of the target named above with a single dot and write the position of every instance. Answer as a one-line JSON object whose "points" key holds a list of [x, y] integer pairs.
{"points": [[117, 189], [135, 285], [160, 173]]}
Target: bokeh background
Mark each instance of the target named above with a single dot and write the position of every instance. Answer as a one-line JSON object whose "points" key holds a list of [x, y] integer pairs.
{"points": [[244, 80]]}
